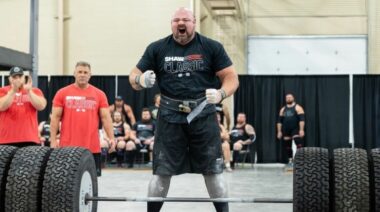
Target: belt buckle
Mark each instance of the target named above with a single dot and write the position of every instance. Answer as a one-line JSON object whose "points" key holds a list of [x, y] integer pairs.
{"points": [[184, 108], [187, 106]]}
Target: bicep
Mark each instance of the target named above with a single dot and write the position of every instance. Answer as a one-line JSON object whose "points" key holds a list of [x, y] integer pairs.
{"points": [[249, 129], [300, 110], [57, 112], [228, 72], [104, 113]]}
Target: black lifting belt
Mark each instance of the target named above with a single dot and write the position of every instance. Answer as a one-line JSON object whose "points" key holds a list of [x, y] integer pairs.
{"points": [[185, 106]]}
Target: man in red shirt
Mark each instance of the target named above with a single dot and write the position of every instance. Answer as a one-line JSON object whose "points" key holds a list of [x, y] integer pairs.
{"points": [[79, 106], [19, 103]]}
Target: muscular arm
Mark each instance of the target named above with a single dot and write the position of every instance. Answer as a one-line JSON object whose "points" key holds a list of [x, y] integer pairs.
{"points": [[56, 116], [229, 80], [300, 111], [132, 76], [38, 102], [279, 124], [130, 115], [251, 132]]}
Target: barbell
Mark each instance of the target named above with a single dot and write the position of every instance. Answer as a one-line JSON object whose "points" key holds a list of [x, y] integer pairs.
{"points": [[89, 198], [44, 179]]}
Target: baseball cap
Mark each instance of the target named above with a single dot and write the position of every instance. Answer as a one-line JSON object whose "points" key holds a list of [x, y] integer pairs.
{"points": [[16, 71], [118, 98]]}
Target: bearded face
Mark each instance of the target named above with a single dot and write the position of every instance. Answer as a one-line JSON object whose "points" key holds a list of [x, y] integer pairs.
{"points": [[183, 26], [289, 99]]}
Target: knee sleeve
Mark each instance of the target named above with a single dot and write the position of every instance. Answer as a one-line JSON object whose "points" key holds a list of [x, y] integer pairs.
{"points": [[159, 186], [299, 142], [216, 186]]}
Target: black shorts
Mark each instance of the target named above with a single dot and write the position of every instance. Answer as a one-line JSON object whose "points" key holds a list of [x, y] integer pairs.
{"points": [[290, 132], [188, 148]]}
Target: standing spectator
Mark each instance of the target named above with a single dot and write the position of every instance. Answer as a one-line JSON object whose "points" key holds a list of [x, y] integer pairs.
{"points": [[189, 67], [156, 106], [78, 106], [143, 132], [19, 103], [242, 135], [291, 125], [125, 110]]}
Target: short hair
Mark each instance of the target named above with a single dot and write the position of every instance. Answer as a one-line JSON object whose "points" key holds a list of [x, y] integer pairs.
{"points": [[145, 109], [83, 63]]}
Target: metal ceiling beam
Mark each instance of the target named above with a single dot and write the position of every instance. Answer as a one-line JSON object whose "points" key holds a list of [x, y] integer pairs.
{"points": [[10, 57]]}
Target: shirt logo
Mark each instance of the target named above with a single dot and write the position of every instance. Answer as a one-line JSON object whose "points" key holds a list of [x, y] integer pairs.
{"points": [[80, 103], [183, 66]]}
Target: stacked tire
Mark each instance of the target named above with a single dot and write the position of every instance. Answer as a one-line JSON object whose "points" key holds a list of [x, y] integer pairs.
{"points": [[345, 180], [42, 179]]}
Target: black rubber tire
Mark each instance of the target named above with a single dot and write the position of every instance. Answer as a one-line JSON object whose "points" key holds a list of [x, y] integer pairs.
{"points": [[24, 181], [6, 156], [63, 175], [351, 180], [374, 161], [311, 180]]}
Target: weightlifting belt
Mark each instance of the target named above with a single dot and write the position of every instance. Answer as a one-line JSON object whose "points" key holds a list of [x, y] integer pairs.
{"points": [[185, 106]]}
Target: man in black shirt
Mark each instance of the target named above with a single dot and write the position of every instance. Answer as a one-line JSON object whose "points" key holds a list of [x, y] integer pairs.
{"points": [[241, 135], [291, 125], [187, 140], [143, 132]]}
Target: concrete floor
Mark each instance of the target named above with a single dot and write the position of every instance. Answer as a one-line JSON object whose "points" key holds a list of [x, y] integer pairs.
{"points": [[269, 180]]}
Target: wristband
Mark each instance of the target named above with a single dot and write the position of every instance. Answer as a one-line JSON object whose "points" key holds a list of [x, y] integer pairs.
{"points": [[137, 80], [223, 94]]}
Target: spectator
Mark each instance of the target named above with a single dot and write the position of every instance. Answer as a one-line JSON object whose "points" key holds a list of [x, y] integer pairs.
{"points": [[44, 132], [242, 134], [125, 110], [19, 103], [79, 107], [154, 108], [291, 125], [143, 132], [121, 133], [226, 146]]}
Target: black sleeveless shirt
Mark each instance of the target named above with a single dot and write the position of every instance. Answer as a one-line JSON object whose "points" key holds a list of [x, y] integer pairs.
{"points": [[291, 119], [238, 133], [118, 131]]}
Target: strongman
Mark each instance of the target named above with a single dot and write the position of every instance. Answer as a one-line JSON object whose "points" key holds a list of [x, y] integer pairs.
{"points": [[187, 66], [291, 125]]}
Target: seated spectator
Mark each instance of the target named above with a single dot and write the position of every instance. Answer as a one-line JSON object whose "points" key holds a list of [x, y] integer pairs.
{"points": [[143, 132], [154, 108], [125, 110], [121, 132], [225, 144], [241, 135]]}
